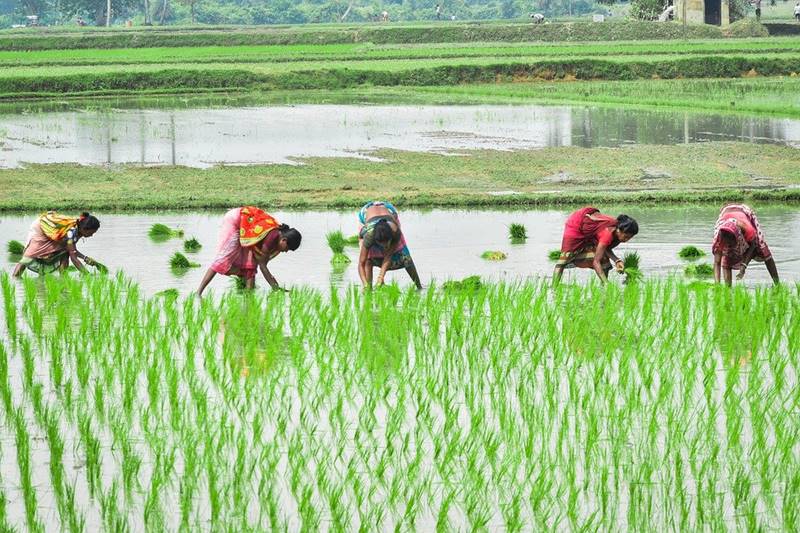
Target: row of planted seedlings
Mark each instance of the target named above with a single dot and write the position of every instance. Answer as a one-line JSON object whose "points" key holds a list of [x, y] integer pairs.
{"points": [[655, 405]]}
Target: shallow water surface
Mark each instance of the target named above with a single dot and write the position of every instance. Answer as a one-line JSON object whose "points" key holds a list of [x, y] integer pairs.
{"points": [[445, 244], [279, 134]]}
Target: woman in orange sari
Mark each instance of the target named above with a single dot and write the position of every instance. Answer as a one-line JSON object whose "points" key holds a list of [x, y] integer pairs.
{"points": [[249, 239], [589, 240], [51, 243]]}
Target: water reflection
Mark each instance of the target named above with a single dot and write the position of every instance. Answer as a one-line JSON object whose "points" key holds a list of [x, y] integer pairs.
{"points": [[279, 134]]}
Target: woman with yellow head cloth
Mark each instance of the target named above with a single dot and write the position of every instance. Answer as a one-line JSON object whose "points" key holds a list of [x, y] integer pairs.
{"points": [[51, 243], [249, 239]]}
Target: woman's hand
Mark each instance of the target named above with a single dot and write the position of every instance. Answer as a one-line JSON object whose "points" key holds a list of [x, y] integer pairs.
{"points": [[742, 270], [620, 266]]}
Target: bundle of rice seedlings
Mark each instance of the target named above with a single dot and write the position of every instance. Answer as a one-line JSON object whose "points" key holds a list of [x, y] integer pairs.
{"points": [[192, 245], [179, 261], [517, 232], [631, 267], [493, 255], [167, 293], [554, 255], [352, 240], [691, 253], [700, 270], [15, 247], [163, 232], [471, 283], [337, 242]]}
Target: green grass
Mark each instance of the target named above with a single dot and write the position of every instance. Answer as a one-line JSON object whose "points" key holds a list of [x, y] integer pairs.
{"points": [[702, 172], [408, 33], [473, 407]]}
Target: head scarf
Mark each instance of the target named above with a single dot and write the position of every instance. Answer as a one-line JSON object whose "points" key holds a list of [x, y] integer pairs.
{"points": [[730, 226], [254, 225]]}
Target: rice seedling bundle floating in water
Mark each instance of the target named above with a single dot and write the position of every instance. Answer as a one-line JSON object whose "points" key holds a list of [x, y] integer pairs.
{"points": [[337, 242], [192, 245], [471, 283], [180, 261], [494, 255], [691, 253], [517, 233], [395, 409], [352, 240], [554, 255], [15, 247], [699, 270], [162, 232]]}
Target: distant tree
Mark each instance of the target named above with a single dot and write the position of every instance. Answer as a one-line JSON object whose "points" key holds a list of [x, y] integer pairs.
{"points": [[647, 9], [191, 4], [96, 9]]}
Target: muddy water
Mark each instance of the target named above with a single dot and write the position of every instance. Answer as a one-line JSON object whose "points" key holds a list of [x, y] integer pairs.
{"points": [[445, 244], [277, 134]]}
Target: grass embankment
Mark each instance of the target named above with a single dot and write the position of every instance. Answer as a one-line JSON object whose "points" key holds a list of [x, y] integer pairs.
{"points": [[685, 173], [447, 32], [97, 80], [337, 66], [657, 406]]}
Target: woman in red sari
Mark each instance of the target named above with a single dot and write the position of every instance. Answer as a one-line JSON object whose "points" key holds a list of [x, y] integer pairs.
{"points": [[589, 240], [249, 239], [738, 239]]}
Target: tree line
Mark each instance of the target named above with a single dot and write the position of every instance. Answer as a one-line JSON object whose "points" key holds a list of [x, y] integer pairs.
{"points": [[162, 12]]}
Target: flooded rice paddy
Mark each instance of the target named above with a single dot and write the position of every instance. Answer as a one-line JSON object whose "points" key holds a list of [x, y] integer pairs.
{"points": [[281, 134], [445, 244]]}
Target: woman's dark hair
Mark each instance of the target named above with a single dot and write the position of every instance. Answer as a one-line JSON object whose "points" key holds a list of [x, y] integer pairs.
{"points": [[88, 222], [627, 225], [291, 235], [383, 232]]}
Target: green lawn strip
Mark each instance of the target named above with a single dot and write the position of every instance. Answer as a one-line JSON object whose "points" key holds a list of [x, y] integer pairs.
{"points": [[342, 34], [391, 73], [354, 52], [699, 172]]}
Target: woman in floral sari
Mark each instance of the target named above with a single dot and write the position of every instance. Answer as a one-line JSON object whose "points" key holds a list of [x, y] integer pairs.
{"points": [[249, 239], [589, 239], [51, 243], [382, 244], [738, 239]]}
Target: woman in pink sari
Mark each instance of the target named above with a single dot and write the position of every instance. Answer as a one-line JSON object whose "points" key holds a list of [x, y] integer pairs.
{"points": [[249, 239], [738, 239], [589, 239]]}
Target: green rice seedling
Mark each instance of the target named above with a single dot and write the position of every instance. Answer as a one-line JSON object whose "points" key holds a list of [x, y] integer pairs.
{"points": [[517, 233], [471, 283], [178, 261], [192, 245], [490, 255], [352, 240], [554, 255], [337, 242], [15, 248], [691, 253], [167, 293], [699, 270], [162, 232]]}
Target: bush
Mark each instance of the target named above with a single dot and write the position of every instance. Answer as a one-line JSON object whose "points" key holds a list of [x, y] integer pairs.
{"points": [[746, 28], [647, 9]]}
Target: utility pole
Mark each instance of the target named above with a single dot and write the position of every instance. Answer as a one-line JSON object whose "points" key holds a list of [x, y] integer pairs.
{"points": [[108, 13]]}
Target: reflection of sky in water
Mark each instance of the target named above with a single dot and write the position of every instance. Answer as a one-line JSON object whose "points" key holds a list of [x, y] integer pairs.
{"points": [[204, 137], [446, 244]]}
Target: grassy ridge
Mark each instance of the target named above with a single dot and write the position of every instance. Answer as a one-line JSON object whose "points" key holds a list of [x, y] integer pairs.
{"points": [[727, 172], [421, 73], [425, 33], [371, 52]]}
